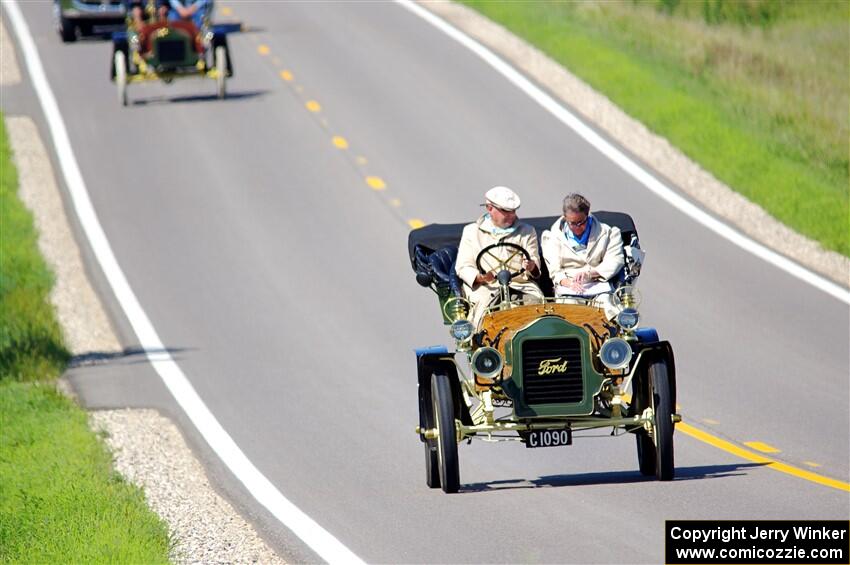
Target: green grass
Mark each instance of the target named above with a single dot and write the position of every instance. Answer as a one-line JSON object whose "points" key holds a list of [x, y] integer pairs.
{"points": [[60, 500], [30, 339], [756, 91]]}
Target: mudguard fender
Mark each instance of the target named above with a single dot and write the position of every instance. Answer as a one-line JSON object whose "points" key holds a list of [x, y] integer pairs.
{"points": [[437, 359]]}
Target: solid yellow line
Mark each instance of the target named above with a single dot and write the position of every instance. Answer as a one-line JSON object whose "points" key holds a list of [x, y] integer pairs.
{"points": [[756, 458]]}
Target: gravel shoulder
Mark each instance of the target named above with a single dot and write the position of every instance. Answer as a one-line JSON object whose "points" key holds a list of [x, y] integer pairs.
{"points": [[147, 448]]}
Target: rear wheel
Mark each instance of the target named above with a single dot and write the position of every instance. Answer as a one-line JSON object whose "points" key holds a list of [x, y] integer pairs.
{"points": [[444, 416], [220, 70], [121, 76], [661, 398]]}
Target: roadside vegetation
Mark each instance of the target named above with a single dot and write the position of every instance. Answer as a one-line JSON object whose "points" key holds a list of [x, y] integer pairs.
{"points": [[60, 500], [756, 91]]}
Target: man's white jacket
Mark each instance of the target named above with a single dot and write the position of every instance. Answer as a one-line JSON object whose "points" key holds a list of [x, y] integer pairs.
{"points": [[475, 238]]}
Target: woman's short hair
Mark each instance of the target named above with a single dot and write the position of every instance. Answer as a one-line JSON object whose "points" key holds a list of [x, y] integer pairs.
{"points": [[575, 202]]}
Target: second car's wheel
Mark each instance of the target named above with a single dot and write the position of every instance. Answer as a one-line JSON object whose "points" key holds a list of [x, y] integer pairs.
{"points": [[221, 70], [444, 416], [121, 76], [661, 398]]}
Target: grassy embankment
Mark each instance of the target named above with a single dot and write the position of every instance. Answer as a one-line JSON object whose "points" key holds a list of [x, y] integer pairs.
{"points": [[60, 500], [755, 91]]}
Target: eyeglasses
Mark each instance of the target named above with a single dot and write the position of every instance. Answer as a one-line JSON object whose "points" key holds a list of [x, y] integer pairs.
{"points": [[577, 224], [502, 210]]}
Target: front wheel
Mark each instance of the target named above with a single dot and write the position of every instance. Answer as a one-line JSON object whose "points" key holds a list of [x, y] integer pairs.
{"points": [[444, 416], [121, 76], [646, 453], [220, 70], [661, 398]]}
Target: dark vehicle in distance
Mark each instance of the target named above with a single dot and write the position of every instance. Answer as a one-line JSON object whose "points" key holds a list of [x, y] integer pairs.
{"points": [[87, 17]]}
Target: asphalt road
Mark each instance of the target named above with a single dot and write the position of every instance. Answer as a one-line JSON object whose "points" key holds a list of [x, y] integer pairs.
{"points": [[278, 278]]}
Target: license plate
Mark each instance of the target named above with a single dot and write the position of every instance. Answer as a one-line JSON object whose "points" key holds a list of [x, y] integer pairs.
{"points": [[549, 438]]}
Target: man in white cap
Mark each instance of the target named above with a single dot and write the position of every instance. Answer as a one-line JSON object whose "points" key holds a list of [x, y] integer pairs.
{"points": [[498, 225]]}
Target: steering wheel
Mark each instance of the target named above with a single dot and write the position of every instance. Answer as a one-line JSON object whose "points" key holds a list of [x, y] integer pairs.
{"points": [[515, 259]]}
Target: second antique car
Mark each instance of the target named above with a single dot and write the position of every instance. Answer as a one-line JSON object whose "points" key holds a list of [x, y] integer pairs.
{"points": [[543, 374], [168, 50]]}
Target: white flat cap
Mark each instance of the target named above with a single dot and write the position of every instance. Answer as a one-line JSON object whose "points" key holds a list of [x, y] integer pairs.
{"points": [[503, 197]]}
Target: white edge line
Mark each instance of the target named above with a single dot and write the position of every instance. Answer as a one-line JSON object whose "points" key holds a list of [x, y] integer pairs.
{"points": [[632, 168], [316, 537]]}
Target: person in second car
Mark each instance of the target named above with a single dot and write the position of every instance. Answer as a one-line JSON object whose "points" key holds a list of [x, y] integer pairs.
{"points": [[189, 10], [581, 252], [136, 9], [498, 224]]}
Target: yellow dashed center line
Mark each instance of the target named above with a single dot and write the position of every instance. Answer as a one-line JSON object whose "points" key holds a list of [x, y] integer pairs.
{"points": [[759, 446], [730, 447], [811, 464], [710, 421], [225, 11], [263, 49], [376, 183]]}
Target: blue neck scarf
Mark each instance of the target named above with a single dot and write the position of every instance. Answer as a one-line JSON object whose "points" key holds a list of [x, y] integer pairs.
{"points": [[491, 227], [578, 242]]}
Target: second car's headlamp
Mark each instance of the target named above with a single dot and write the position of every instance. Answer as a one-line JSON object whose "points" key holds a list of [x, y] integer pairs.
{"points": [[461, 330], [628, 318], [487, 362], [616, 353]]}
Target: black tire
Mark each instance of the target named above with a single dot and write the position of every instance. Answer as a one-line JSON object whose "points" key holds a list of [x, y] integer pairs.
{"points": [[444, 416], [662, 404], [646, 453], [67, 30], [432, 462]]}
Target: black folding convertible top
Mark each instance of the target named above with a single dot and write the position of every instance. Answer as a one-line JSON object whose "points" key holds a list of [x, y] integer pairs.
{"points": [[437, 236]]}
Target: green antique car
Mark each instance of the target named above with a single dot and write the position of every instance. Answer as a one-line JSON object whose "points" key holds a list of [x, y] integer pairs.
{"points": [[544, 373]]}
